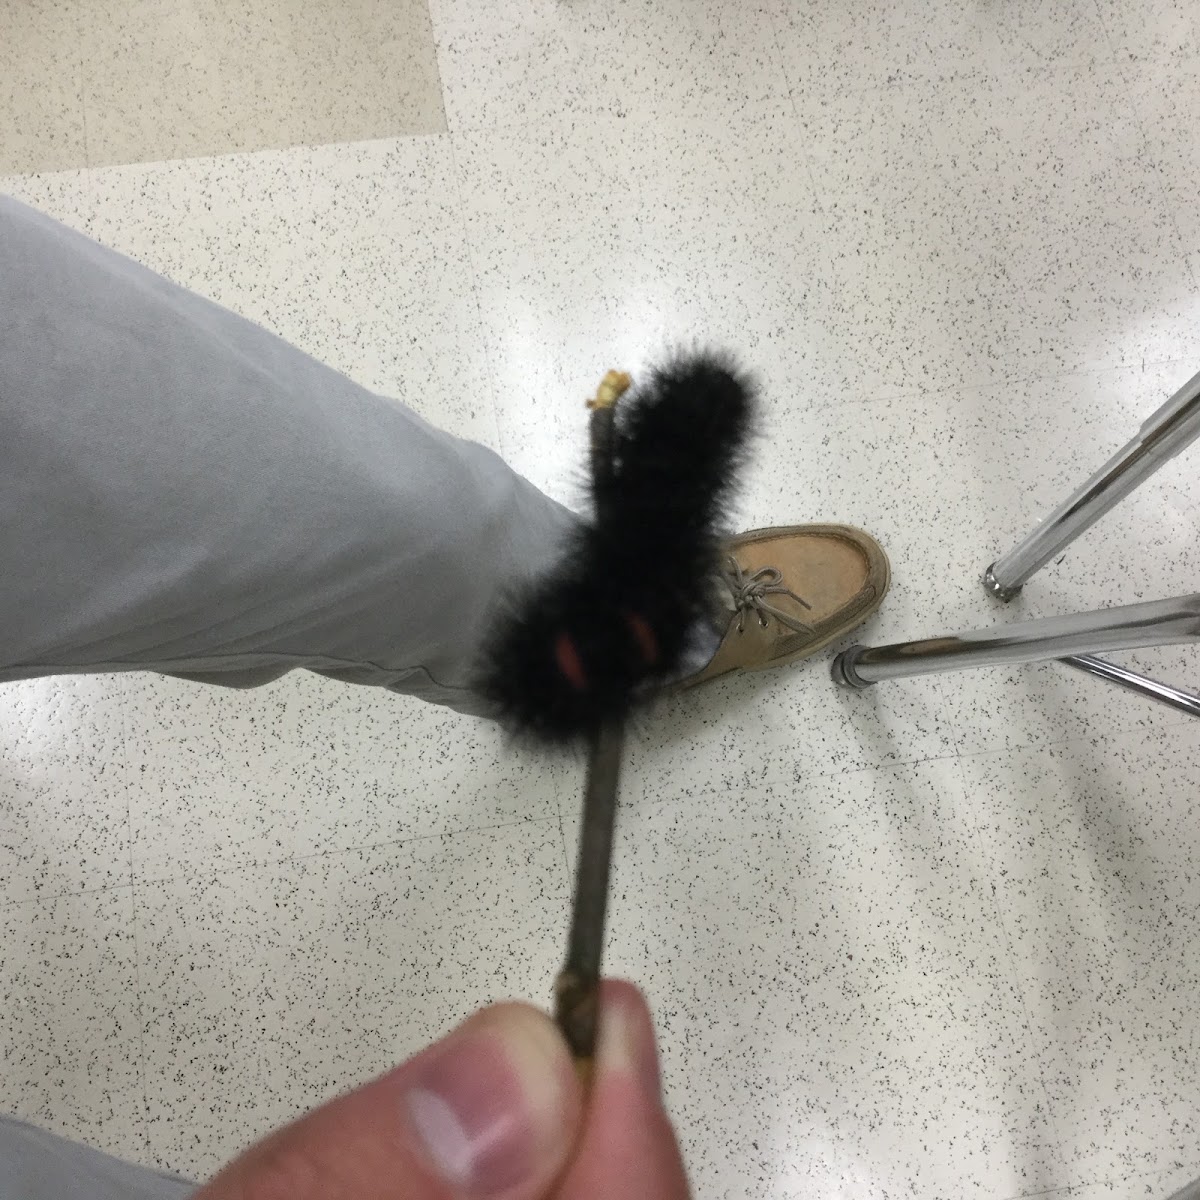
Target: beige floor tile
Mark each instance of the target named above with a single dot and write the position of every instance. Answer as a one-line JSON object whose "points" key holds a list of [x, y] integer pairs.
{"points": [[70, 1034], [180, 78], [41, 100]]}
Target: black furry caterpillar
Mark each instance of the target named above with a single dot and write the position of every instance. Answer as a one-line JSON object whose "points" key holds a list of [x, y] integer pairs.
{"points": [[612, 620]]}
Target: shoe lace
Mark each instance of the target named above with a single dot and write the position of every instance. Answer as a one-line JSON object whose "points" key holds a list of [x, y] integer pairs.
{"points": [[750, 592]]}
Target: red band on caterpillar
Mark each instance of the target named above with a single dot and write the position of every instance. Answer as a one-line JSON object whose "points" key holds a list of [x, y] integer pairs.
{"points": [[569, 662], [643, 635]]}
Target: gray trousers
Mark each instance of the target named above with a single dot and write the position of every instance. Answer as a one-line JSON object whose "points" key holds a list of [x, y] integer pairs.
{"points": [[35, 1165], [181, 491]]}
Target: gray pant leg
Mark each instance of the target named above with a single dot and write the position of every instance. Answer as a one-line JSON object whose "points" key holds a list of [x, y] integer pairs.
{"points": [[181, 491], [35, 1165]]}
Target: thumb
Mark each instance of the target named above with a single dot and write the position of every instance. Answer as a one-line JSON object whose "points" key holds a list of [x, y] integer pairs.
{"points": [[489, 1113]]}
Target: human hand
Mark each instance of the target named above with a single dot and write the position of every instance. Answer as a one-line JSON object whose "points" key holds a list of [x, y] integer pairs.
{"points": [[492, 1112]]}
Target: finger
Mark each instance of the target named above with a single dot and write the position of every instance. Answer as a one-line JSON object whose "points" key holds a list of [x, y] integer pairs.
{"points": [[489, 1113], [628, 1147]]}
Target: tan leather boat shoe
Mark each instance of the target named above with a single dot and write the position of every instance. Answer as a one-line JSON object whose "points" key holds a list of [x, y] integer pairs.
{"points": [[791, 590]]}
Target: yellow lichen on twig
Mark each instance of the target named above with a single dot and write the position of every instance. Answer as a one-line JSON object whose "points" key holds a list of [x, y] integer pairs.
{"points": [[612, 387]]}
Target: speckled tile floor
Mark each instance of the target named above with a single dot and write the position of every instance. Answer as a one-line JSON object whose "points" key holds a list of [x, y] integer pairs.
{"points": [[936, 940]]}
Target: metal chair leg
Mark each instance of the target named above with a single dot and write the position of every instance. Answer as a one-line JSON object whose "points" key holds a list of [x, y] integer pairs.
{"points": [[1163, 435], [1155, 623], [1143, 685]]}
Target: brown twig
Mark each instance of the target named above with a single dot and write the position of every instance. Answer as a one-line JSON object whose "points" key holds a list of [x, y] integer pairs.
{"points": [[576, 991]]}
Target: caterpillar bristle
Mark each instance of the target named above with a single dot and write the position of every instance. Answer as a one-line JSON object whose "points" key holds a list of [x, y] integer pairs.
{"points": [[611, 621]]}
